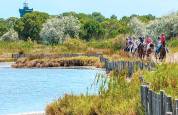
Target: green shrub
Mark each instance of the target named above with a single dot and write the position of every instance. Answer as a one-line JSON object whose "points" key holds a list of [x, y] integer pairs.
{"points": [[114, 44], [75, 45], [173, 43], [164, 78]]}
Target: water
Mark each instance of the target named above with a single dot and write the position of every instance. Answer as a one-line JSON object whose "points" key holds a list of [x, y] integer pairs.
{"points": [[27, 90]]}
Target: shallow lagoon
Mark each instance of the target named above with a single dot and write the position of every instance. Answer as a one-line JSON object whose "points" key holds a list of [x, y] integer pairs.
{"points": [[26, 90]]}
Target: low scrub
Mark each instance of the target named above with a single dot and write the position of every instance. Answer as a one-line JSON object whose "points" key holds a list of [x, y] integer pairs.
{"points": [[173, 43], [114, 44], [165, 77], [116, 96]]}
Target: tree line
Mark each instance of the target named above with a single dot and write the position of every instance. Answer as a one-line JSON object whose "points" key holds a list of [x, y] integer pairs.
{"points": [[50, 29]]}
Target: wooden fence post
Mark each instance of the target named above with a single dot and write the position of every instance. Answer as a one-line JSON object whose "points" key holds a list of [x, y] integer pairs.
{"points": [[161, 102], [157, 103], [150, 102], [169, 104], [146, 99], [176, 103]]}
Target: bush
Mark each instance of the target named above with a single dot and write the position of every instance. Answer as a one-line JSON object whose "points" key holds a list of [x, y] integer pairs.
{"points": [[58, 29], [164, 78], [75, 45], [118, 43], [10, 36], [114, 44], [173, 43]]}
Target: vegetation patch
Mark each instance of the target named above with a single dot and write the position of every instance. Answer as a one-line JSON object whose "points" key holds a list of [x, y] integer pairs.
{"points": [[165, 77], [58, 62], [116, 97]]}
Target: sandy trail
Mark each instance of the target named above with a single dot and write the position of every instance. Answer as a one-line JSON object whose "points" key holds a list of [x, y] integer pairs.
{"points": [[172, 58]]}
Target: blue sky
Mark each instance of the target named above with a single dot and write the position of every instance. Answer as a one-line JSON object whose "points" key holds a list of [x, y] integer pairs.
{"points": [[120, 8]]}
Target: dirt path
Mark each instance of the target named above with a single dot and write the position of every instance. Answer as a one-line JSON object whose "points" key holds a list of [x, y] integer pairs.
{"points": [[172, 58]]}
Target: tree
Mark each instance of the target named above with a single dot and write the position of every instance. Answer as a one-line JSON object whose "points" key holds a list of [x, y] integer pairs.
{"points": [[166, 24], [92, 29], [98, 16], [30, 25], [139, 28], [114, 27], [57, 29], [11, 35], [113, 17], [11, 22], [3, 27]]}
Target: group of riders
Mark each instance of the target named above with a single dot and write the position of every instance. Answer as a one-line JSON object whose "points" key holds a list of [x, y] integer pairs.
{"points": [[144, 46]]}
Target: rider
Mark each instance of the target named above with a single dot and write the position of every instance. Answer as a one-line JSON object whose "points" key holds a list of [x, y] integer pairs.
{"points": [[128, 43], [158, 44], [141, 39], [148, 41], [163, 39]]}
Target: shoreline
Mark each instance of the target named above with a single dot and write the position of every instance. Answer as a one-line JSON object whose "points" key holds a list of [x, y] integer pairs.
{"points": [[29, 113], [8, 65]]}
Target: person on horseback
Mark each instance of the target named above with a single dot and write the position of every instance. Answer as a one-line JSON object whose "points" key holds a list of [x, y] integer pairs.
{"points": [[130, 44], [141, 39], [148, 42], [158, 45], [163, 40], [161, 47]]}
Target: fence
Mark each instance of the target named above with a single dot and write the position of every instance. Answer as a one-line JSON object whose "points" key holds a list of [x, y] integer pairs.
{"points": [[126, 65], [157, 104], [109, 65]]}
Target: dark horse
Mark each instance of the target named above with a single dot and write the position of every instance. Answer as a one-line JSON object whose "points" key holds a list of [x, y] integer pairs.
{"points": [[141, 51], [161, 54]]}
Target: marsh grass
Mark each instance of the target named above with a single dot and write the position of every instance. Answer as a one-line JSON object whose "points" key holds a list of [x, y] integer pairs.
{"points": [[116, 96], [58, 62], [165, 77], [69, 46]]}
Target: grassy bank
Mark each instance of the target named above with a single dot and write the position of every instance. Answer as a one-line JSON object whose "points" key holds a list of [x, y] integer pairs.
{"points": [[164, 78], [58, 62], [69, 46], [119, 97]]}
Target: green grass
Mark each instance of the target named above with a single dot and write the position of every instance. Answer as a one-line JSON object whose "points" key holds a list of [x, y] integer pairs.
{"points": [[69, 46], [173, 43], [165, 77], [116, 97], [115, 43]]}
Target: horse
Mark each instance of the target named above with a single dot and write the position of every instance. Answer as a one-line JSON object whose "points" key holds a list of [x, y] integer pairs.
{"points": [[141, 51], [150, 50], [162, 54], [132, 48]]}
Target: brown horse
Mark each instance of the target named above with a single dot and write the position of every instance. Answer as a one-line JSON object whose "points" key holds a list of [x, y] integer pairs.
{"points": [[141, 51], [162, 53], [150, 50]]}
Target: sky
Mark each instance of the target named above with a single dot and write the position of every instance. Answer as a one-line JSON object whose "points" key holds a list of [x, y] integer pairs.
{"points": [[9, 8]]}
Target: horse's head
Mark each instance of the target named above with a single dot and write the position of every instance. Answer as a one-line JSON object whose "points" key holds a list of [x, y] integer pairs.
{"points": [[152, 46]]}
